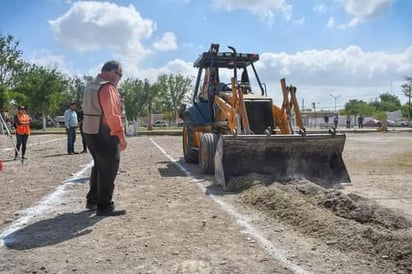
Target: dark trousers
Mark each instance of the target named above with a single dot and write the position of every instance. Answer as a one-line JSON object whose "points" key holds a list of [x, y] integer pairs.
{"points": [[105, 150], [83, 140], [21, 142], [71, 139]]}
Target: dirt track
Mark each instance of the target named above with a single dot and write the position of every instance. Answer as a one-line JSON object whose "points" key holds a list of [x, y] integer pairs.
{"points": [[179, 222]]}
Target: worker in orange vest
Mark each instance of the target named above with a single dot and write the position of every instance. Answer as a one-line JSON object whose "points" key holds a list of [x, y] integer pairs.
{"points": [[22, 123]]}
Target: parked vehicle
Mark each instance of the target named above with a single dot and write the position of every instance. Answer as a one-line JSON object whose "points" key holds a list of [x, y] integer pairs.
{"points": [[402, 123], [161, 123], [59, 120], [373, 123], [399, 123]]}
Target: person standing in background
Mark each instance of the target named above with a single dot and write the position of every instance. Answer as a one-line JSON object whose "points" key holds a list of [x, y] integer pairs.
{"points": [[105, 137], [360, 121], [71, 123], [348, 120], [80, 119], [22, 123], [335, 121]]}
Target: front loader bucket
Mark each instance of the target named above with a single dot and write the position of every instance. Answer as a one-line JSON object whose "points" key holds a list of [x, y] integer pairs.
{"points": [[316, 157]]}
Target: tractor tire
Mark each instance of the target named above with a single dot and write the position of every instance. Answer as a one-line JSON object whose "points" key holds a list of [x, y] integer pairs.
{"points": [[207, 150], [190, 154]]}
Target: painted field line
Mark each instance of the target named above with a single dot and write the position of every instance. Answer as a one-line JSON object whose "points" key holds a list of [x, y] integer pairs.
{"points": [[44, 206], [275, 252], [34, 144]]}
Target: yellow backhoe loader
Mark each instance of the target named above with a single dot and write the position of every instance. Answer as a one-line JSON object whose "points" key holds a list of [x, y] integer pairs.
{"points": [[233, 130]]}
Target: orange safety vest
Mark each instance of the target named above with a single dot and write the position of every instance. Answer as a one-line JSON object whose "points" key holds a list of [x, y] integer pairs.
{"points": [[23, 124]]}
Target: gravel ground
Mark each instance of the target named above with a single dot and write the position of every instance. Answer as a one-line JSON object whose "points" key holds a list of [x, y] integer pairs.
{"points": [[179, 221]]}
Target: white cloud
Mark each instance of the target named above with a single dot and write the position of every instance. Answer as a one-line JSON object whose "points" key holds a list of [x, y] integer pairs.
{"points": [[367, 8], [168, 42], [364, 10], [265, 9], [320, 8], [176, 67], [350, 69], [90, 26], [331, 23], [350, 66], [299, 21], [48, 59]]}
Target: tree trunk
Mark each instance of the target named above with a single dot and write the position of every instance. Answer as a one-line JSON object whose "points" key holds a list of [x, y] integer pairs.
{"points": [[149, 117]]}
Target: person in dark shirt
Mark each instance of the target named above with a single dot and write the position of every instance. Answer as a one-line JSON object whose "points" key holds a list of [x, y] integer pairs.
{"points": [[360, 121], [80, 119]]}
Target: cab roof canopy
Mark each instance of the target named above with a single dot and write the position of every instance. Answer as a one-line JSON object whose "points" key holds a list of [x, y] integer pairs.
{"points": [[225, 59]]}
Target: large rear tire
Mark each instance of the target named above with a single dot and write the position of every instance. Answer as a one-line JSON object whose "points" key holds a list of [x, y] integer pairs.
{"points": [[207, 150], [190, 154]]}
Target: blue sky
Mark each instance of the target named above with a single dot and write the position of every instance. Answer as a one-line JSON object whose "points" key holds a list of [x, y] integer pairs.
{"points": [[357, 49]]}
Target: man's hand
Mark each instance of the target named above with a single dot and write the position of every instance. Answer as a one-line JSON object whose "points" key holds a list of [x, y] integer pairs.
{"points": [[123, 144]]}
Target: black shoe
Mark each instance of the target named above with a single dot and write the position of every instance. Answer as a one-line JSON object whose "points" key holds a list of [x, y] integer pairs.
{"points": [[114, 212], [75, 152], [83, 151], [110, 211], [24, 158], [91, 205]]}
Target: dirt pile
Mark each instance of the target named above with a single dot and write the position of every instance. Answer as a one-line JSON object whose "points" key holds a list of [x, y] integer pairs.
{"points": [[346, 222]]}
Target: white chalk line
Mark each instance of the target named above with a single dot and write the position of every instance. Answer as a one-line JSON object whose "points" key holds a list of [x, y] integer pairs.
{"points": [[43, 206], [35, 144], [276, 253]]}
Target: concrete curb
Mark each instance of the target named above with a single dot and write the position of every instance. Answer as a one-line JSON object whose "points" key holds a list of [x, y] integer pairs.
{"points": [[178, 132]]}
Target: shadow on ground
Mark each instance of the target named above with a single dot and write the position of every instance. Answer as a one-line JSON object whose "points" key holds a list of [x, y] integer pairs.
{"points": [[52, 231]]}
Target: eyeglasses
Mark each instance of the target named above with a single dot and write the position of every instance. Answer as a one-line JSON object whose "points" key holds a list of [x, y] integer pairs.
{"points": [[118, 73]]}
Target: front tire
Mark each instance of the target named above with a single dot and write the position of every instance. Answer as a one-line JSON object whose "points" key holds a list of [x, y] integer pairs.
{"points": [[207, 150], [190, 154]]}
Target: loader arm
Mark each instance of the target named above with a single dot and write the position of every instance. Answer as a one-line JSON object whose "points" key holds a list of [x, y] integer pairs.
{"points": [[240, 107], [295, 106], [289, 104]]}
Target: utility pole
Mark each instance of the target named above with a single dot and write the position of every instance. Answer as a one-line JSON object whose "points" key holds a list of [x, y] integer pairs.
{"points": [[409, 112], [314, 109], [335, 97]]}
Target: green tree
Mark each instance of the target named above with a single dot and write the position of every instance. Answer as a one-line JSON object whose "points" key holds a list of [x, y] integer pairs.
{"points": [[76, 86], [136, 97], [43, 89], [10, 65], [10, 60], [155, 92], [174, 89], [407, 90], [382, 116], [386, 102], [358, 107]]}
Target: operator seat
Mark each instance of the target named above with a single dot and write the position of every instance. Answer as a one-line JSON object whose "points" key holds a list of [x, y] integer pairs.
{"points": [[244, 81]]}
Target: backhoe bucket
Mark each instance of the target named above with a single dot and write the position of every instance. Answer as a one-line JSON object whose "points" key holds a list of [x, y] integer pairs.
{"points": [[316, 157]]}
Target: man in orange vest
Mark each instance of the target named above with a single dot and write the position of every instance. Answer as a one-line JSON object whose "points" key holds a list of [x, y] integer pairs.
{"points": [[22, 121]]}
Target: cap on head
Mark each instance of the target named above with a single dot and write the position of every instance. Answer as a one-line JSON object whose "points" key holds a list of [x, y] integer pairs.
{"points": [[21, 107]]}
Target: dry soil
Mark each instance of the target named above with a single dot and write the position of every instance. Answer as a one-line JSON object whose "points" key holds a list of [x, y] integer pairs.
{"points": [[179, 221]]}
